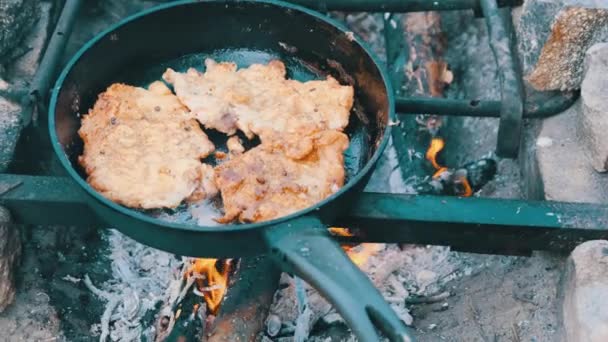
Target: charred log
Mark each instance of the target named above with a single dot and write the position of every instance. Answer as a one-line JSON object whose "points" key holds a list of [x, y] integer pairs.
{"points": [[10, 250], [245, 308], [463, 181], [425, 73]]}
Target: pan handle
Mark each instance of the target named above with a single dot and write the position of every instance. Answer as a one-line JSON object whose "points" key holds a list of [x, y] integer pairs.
{"points": [[305, 248]]}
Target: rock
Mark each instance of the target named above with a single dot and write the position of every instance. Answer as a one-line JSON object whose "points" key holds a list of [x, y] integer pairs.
{"points": [[273, 325], [560, 65], [585, 291], [10, 251], [593, 121], [533, 28], [10, 128], [16, 19], [534, 20], [424, 278], [560, 171]]}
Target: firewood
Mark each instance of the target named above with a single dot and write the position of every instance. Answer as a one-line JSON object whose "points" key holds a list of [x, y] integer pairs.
{"points": [[245, 308], [10, 251]]}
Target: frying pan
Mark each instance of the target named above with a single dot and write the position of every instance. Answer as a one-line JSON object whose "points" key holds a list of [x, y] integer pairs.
{"points": [[182, 34]]}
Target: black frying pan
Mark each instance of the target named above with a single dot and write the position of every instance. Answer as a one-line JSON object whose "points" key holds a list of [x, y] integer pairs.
{"points": [[181, 35]]}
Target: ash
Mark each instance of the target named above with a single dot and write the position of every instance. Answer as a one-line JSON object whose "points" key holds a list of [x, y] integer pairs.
{"points": [[141, 277]]}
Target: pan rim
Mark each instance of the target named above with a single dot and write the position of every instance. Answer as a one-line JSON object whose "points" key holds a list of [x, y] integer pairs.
{"points": [[67, 165]]}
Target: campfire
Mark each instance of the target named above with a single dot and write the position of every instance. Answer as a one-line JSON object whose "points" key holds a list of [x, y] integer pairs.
{"points": [[211, 277], [360, 253], [459, 179]]}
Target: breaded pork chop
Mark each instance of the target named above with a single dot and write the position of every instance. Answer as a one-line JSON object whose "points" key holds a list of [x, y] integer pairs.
{"points": [[267, 181], [143, 149], [258, 100]]}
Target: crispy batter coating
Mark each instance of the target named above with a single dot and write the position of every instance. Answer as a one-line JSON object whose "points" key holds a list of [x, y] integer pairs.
{"points": [[143, 149], [258, 100], [267, 181]]}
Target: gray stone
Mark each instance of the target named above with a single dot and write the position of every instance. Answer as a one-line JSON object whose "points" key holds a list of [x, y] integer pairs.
{"points": [[10, 251], [585, 293], [16, 19], [273, 325], [10, 128], [20, 72], [555, 165], [594, 116]]}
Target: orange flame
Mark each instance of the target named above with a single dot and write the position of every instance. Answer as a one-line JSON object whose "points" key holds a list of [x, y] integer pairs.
{"points": [[340, 231], [361, 253], [437, 144], [214, 280], [468, 191]]}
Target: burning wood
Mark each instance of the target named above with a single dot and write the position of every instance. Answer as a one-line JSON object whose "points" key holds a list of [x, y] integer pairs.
{"points": [[464, 181], [218, 300], [193, 298], [211, 276], [242, 314], [360, 253]]}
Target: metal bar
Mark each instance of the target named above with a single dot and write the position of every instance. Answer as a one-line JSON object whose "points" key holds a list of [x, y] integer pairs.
{"points": [[450, 107], [398, 6], [50, 61], [538, 106], [396, 52], [502, 43], [473, 224], [496, 225], [42, 200]]}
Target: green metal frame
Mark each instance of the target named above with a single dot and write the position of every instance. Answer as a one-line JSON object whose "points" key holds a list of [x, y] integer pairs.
{"points": [[472, 224], [484, 225]]}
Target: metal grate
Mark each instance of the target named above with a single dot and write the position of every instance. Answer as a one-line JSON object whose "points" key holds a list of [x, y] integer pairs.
{"points": [[471, 224]]}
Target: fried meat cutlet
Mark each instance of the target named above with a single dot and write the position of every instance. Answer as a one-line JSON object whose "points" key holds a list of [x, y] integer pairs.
{"points": [[143, 148], [267, 181], [258, 100]]}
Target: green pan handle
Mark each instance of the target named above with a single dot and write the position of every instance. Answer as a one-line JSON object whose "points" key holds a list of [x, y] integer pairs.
{"points": [[304, 247]]}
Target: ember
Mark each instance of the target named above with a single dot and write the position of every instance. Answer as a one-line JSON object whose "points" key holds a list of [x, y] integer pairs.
{"points": [[358, 254], [211, 280], [437, 144]]}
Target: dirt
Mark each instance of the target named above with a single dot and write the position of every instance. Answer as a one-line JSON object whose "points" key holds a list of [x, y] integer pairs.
{"points": [[32, 317]]}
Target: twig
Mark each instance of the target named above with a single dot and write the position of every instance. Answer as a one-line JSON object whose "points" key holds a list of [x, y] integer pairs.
{"points": [[301, 294], [99, 293], [515, 333], [303, 322], [105, 318], [429, 299], [516, 296], [475, 313], [302, 330]]}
